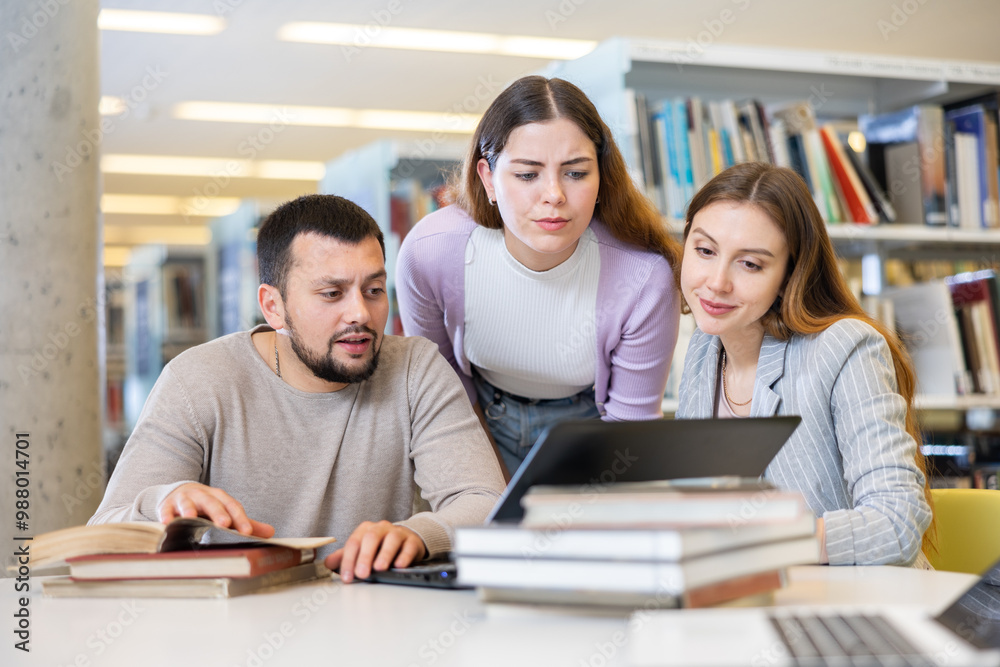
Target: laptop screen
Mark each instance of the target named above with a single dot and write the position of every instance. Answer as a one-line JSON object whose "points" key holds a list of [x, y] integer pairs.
{"points": [[594, 453], [975, 616]]}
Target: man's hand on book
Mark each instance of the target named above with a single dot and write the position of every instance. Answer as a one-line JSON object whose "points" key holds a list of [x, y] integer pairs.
{"points": [[194, 499], [376, 546]]}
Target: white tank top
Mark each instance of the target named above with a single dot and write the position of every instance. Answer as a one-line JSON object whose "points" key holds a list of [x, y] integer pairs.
{"points": [[531, 333]]}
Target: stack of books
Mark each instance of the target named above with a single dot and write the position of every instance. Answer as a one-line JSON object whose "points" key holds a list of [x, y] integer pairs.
{"points": [[646, 544], [187, 558]]}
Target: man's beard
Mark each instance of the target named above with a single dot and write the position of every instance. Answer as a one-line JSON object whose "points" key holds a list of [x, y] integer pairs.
{"points": [[329, 369]]}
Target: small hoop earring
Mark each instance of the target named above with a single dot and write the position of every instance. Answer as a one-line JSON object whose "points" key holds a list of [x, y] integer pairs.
{"points": [[493, 202]]}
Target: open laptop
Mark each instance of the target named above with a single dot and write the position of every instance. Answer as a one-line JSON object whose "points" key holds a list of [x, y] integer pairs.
{"points": [[967, 632], [590, 452]]}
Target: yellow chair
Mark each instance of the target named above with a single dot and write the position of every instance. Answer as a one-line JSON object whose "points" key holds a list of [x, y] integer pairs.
{"points": [[968, 529]]}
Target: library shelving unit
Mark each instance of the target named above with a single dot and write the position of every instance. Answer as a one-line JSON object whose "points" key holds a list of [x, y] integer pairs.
{"points": [[114, 359], [838, 86], [395, 182], [231, 262], [164, 306]]}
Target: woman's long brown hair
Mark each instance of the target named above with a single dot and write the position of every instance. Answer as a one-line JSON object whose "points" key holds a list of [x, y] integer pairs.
{"points": [[628, 213]]}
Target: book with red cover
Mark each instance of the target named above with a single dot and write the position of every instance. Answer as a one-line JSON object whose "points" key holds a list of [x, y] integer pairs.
{"points": [[859, 204], [974, 298], [721, 592], [211, 562]]}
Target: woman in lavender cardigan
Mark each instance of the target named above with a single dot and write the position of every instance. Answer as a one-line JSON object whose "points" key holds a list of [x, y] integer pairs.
{"points": [[550, 285]]}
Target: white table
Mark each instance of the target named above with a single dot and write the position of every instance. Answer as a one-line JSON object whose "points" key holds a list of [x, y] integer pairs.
{"points": [[328, 623]]}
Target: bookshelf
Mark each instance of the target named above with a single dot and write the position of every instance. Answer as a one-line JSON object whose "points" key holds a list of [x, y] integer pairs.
{"points": [[114, 358], [164, 306], [395, 181], [837, 86], [231, 263]]}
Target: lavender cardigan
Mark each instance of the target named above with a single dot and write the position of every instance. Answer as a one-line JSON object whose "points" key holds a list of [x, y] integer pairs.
{"points": [[637, 311]]}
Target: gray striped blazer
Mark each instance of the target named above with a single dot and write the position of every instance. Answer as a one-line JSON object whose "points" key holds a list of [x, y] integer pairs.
{"points": [[851, 456]]}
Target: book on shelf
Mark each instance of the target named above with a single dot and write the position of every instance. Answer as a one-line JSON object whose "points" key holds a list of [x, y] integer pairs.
{"points": [[649, 577], [211, 587], [906, 153], [725, 591], [858, 204], [974, 298], [967, 206], [875, 192], [54, 548], [206, 562], [926, 323], [624, 543], [805, 142], [986, 476], [660, 504], [975, 125]]}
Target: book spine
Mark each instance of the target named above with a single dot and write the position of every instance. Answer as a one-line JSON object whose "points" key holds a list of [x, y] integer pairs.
{"points": [[861, 209], [930, 140]]}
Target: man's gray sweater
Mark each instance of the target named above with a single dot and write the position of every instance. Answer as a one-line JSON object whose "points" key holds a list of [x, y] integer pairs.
{"points": [[311, 464]]}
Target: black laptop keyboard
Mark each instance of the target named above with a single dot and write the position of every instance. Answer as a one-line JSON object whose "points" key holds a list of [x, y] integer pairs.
{"points": [[854, 640]]}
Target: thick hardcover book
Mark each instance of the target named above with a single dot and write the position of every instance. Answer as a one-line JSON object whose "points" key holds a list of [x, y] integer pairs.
{"points": [[218, 587], [973, 297], [656, 504], [623, 543], [210, 562], [973, 120], [53, 548], [878, 196], [722, 592], [935, 344], [644, 577], [906, 154]]}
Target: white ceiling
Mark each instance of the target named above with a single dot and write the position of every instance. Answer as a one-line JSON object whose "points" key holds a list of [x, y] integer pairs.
{"points": [[247, 63]]}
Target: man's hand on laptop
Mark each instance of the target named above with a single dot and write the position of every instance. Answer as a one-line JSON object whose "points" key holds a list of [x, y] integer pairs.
{"points": [[377, 546], [193, 499]]}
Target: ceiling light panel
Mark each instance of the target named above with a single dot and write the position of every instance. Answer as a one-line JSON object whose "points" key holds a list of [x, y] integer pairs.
{"points": [[160, 22], [361, 36], [177, 165], [377, 119]]}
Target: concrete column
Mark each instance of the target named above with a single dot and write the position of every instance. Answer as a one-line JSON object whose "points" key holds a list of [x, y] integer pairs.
{"points": [[51, 389]]}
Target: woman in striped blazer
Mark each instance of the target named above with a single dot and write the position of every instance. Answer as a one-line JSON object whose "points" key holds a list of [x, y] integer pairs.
{"points": [[779, 332]]}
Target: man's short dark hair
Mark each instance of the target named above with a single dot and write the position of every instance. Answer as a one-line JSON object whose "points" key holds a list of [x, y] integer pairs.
{"points": [[327, 215]]}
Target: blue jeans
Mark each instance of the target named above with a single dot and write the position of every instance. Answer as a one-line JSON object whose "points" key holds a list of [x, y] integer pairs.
{"points": [[516, 425]]}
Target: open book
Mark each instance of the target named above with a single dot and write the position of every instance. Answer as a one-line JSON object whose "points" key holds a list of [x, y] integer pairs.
{"points": [[53, 548]]}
